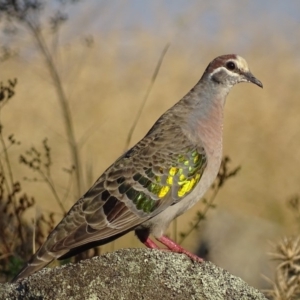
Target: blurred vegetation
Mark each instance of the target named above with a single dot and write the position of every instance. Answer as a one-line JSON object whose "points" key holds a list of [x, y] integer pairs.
{"points": [[16, 237], [103, 79], [286, 285]]}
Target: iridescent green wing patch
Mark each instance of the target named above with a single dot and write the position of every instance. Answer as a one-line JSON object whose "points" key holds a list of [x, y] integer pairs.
{"points": [[141, 199], [180, 178]]}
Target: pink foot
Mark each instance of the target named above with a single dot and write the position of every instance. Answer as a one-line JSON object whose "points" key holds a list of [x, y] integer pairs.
{"points": [[150, 244], [177, 248]]}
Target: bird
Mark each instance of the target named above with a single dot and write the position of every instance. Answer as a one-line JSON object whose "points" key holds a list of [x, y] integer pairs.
{"points": [[158, 179]]}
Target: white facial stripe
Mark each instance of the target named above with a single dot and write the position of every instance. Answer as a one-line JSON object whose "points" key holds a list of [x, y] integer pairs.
{"points": [[224, 69]]}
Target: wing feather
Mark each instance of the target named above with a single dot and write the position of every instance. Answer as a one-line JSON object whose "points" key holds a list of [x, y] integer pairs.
{"points": [[130, 192], [150, 177]]}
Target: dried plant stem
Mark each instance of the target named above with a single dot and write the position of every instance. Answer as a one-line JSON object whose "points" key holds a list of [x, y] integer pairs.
{"points": [[195, 225], [33, 232], [10, 186], [223, 175], [286, 285], [175, 231], [42, 46], [7, 162], [48, 180], [154, 76]]}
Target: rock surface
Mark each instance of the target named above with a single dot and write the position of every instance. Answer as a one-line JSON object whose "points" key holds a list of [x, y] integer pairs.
{"points": [[132, 274]]}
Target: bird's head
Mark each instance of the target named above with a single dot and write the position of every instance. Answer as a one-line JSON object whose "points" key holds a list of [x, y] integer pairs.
{"points": [[229, 70]]}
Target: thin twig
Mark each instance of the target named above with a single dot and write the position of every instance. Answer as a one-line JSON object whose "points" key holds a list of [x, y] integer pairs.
{"points": [[156, 71], [175, 230], [11, 191], [7, 161], [223, 175], [52, 187], [33, 231], [63, 101], [207, 207]]}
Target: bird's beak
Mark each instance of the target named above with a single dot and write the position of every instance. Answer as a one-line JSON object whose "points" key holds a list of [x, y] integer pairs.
{"points": [[250, 78]]}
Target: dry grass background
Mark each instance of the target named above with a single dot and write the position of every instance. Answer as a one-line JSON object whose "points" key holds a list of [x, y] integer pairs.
{"points": [[107, 80]]}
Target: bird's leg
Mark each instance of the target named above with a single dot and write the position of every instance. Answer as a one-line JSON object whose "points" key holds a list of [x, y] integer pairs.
{"points": [[143, 236], [171, 245], [150, 244]]}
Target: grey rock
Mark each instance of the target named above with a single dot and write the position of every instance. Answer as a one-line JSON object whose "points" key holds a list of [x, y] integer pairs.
{"points": [[132, 274]]}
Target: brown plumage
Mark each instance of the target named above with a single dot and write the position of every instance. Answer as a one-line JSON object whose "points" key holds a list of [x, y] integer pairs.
{"points": [[158, 179]]}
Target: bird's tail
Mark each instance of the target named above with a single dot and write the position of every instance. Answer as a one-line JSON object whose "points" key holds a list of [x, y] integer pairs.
{"points": [[36, 263]]}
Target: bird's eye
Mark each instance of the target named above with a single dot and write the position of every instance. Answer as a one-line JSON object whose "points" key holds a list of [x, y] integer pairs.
{"points": [[230, 65]]}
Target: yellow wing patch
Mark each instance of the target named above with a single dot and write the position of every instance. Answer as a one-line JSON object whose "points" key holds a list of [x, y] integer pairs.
{"points": [[186, 176], [183, 176]]}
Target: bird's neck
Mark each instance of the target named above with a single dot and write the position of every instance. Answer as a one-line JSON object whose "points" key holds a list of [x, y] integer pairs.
{"points": [[205, 118]]}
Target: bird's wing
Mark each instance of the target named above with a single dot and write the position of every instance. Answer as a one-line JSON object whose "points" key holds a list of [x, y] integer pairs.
{"points": [[150, 177], [156, 173]]}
